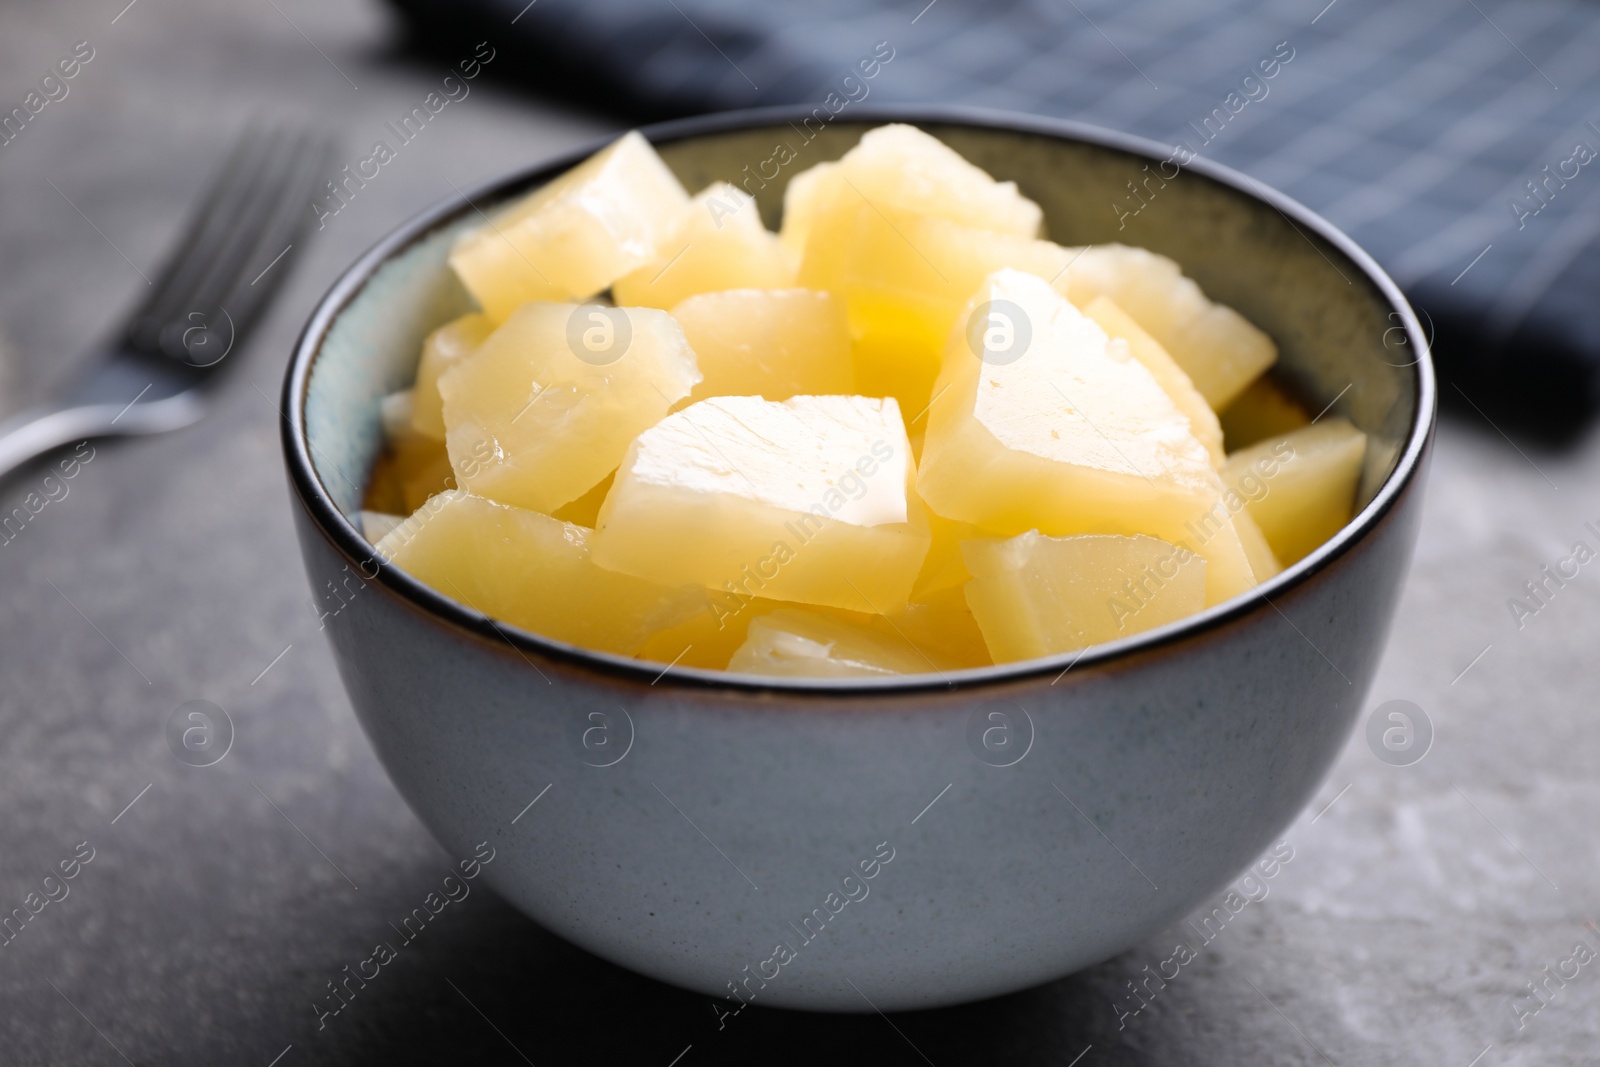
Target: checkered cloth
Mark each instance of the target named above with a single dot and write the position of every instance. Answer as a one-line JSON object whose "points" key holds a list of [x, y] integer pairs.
{"points": [[1416, 127]]}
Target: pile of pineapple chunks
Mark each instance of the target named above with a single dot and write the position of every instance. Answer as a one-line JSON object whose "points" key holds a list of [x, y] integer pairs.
{"points": [[905, 434]]}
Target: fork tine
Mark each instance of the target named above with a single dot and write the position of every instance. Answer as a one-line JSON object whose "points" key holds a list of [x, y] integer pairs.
{"points": [[253, 212], [207, 221], [231, 254], [274, 247], [285, 208], [197, 281]]}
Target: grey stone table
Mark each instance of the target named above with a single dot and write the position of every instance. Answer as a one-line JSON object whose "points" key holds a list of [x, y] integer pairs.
{"points": [[218, 903]]}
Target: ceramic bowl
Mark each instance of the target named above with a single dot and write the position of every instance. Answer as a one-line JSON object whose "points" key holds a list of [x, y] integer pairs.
{"points": [[905, 843]]}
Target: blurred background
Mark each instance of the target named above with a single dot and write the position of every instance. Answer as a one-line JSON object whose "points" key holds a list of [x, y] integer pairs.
{"points": [[1455, 140]]}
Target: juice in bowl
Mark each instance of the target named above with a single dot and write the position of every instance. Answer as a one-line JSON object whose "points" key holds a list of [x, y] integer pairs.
{"points": [[893, 582]]}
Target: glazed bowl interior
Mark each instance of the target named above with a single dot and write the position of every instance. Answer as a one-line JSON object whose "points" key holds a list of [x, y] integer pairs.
{"points": [[1348, 342]]}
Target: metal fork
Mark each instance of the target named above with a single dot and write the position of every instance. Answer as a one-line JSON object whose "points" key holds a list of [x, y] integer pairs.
{"points": [[217, 280]]}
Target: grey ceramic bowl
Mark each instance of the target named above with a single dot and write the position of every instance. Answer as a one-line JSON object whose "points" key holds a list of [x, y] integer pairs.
{"points": [[896, 844]]}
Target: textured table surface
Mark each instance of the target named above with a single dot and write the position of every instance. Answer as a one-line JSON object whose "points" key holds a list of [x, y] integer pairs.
{"points": [[1419, 902]]}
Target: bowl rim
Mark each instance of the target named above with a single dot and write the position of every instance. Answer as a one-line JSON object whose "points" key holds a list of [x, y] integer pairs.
{"points": [[348, 542]]}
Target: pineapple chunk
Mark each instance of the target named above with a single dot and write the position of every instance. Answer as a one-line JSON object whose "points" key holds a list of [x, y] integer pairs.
{"points": [[911, 274], [1147, 350], [1229, 571], [532, 571], [394, 415], [383, 492], [774, 343], [808, 500], [1037, 596], [799, 206], [709, 638], [941, 627], [905, 230], [896, 366], [374, 524], [937, 635], [906, 280], [572, 238], [1300, 488], [406, 475], [445, 347], [1217, 348], [424, 469], [716, 242], [898, 167], [1263, 563], [585, 511], [547, 406], [1263, 410], [944, 569], [1056, 427], [412, 467], [794, 642]]}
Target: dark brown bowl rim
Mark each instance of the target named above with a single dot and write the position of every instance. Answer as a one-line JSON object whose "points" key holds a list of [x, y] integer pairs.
{"points": [[349, 542]]}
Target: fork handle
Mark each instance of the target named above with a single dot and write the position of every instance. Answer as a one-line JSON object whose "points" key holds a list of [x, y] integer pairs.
{"points": [[41, 430]]}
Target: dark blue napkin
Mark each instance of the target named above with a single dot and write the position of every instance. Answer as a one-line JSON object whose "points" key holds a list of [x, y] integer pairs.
{"points": [[1459, 142]]}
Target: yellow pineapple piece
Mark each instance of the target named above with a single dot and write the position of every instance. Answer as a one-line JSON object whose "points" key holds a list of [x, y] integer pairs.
{"points": [[1300, 488], [909, 273], [383, 493], [716, 242], [1038, 596], [708, 638], [906, 280], [424, 469], [1043, 422], [445, 347], [900, 168], [547, 405], [795, 642], [572, 238], [532, 571], [374, 524], [807, 501], [585, 511], [935, 635], [1263, 562], [900, 366], [1217, 348], [941, 628], [1147, 350], [1229, 570], [1263, 410], [799, 206], [943, 568], [914, 272], [394, 415], [412, 467], [774, 343], [941, 635], [905, 230]]}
